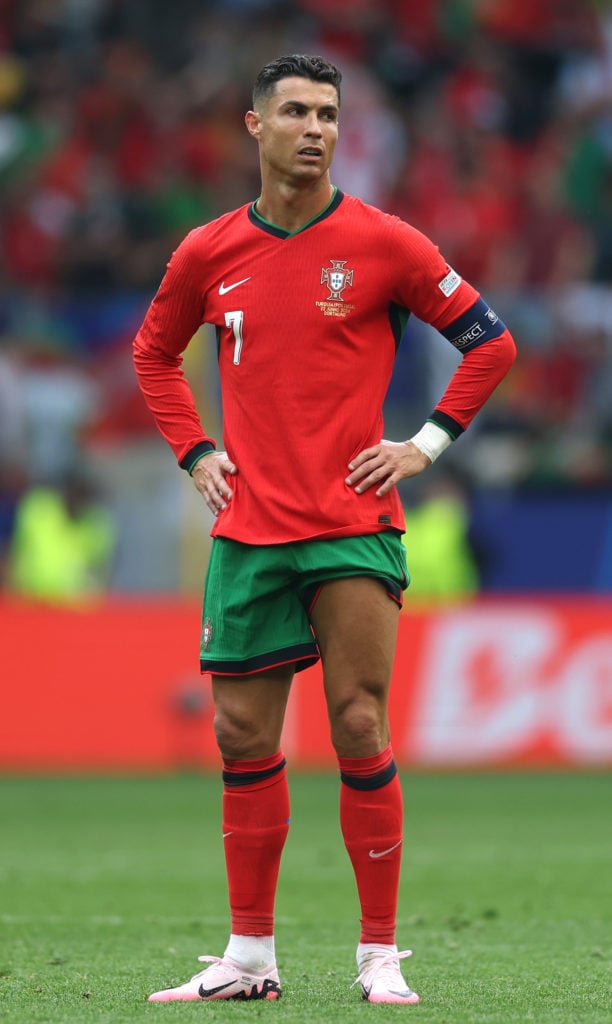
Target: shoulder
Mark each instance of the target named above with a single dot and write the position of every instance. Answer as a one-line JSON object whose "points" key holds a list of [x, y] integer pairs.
{"points": [[200, 239], [354, 207], [389, 224]]}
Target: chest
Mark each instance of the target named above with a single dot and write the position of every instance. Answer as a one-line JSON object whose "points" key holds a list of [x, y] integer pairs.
{"points": [[327, 288]]}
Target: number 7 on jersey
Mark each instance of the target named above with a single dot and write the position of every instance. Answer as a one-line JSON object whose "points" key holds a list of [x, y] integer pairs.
{"points": [[234, 320]]}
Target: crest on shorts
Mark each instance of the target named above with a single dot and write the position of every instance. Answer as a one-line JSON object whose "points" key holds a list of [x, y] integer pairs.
{"points": [[336, 278], [207, 633]]}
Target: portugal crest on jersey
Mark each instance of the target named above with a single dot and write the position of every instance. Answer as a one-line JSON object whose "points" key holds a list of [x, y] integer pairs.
{"points": [[207, 633], [336, 278]]}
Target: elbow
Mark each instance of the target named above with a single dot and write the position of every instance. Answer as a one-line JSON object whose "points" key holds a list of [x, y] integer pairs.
{"points": [[510, 350]]}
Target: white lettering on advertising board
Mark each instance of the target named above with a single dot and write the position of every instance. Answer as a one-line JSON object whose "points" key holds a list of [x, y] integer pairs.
{"points": [[496, 684]]}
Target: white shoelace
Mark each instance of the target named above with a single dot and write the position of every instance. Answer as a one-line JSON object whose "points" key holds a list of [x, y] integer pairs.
{"points": [[382, 968], [210, 960]]}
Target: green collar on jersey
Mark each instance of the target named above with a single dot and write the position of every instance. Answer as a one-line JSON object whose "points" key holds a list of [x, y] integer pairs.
{"points": [[273, 229]]}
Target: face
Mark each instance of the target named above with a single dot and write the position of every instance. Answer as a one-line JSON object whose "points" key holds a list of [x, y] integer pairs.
{"points": [[297, 128]]}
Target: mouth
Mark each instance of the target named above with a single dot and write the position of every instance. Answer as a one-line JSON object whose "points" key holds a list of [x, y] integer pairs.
{"points": [[311, 152]]}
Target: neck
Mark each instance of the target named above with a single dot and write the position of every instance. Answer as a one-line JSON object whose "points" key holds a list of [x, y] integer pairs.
{"points": [[291, 206]]}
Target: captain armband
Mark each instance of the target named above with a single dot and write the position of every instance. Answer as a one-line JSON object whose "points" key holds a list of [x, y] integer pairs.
{"points": [[478, 324], [431, 440]]}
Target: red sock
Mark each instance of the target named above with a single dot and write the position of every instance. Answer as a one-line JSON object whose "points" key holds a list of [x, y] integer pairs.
{"points": [[371, 818], [255, 826]]}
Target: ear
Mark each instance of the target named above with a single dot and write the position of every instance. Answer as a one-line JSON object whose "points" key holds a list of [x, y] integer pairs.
{"points": [[253, 122]]}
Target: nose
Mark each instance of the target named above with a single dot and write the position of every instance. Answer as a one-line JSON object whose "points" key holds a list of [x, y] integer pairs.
{"points": [[312, 126]]}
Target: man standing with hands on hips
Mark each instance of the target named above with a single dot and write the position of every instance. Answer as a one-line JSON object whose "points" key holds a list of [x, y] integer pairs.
{"points": [[309, 291]]}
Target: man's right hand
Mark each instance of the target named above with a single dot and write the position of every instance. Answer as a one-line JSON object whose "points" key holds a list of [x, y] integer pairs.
{"points": [[209, 476]]}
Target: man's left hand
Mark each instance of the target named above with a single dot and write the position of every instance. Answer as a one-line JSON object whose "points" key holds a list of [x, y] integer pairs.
{"points": [[385, 465]]}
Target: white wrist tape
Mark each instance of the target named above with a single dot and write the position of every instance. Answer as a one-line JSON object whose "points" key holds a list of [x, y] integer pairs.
{"points": [[431, 440]]}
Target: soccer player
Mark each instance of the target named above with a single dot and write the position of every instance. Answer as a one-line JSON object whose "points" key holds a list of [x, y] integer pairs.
{"points": [[308, 290]]}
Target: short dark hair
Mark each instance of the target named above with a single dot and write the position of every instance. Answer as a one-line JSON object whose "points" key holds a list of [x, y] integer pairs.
{"points": [[317, 69]]}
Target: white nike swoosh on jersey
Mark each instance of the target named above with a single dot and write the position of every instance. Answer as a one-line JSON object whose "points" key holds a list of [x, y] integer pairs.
{"points": [[226, 834], [223, 289], [375, 854]]}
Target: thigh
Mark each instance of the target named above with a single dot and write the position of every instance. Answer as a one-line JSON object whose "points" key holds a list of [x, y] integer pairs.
{"points": [[355, 623], [250, 712]]}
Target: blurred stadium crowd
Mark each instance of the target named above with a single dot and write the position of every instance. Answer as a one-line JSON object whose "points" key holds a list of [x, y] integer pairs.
{"points": [[485, 123]]}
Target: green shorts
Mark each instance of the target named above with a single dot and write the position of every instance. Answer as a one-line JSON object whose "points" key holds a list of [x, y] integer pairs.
{"points": [[257, 598]]}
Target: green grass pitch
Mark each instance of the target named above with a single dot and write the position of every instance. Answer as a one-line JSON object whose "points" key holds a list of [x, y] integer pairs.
{"points": [[111, 887]]}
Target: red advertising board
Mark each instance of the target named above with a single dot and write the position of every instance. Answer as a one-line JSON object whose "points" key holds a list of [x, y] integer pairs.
{"points": [[116, 687]]}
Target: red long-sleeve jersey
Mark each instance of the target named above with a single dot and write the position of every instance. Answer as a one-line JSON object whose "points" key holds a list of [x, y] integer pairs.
{"points": [[308, 325]]}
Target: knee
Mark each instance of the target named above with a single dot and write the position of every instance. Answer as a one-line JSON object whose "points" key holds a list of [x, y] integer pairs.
{"points": [[359, 724], [241, 738]]}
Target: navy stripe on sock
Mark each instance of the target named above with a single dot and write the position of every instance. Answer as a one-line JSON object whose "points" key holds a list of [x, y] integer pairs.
{"points": [[231, 778], [370, 781]]}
